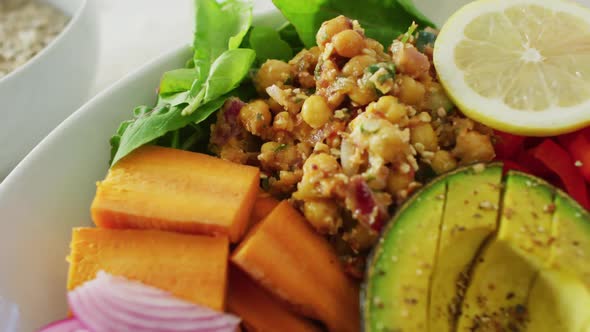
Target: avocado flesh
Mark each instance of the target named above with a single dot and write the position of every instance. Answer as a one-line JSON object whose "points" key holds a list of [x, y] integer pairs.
{"points": [[539, 231], [505, 271], [469, 218], [558, 302], [398, 277], [560, 298], [571, 249]]}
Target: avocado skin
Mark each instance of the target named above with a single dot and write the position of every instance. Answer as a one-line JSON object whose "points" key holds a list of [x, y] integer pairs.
{"points": [[395, 294], [506, 269], [470, 217]]}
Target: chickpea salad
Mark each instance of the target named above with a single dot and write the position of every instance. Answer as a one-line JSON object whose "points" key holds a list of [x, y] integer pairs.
{"points": [[345, 118], [345, 122]]}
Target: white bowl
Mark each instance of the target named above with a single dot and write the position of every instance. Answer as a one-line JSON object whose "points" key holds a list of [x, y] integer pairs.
{"points": [[37, 96], [50, 191]]}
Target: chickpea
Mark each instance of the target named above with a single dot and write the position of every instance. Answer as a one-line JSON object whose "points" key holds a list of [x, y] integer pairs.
{"points": [[277, 156], [423, 134], [269, 147], [315, 111], [321, 162], [330, 28], [391, 108], [356, 66], [443, 161], [272, 72], [323, 215], [255, 116], [388, 144], [398, 181], [274, 106], [411, 92], [283, 121], [348, 43], [361, 237], [472, 147], [362, 95], [374, 45]]}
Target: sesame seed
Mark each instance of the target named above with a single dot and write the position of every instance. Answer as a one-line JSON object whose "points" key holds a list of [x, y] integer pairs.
{"points": [[405, 168], [419, 147], [487, 205], [424, 117], [478, 168], [578, 163]]}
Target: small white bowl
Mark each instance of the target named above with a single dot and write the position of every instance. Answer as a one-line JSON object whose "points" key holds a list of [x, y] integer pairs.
{"points": [[38, 95]]}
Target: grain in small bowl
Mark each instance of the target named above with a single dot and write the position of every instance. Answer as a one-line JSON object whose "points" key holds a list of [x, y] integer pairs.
{"points": [[48, 61]]}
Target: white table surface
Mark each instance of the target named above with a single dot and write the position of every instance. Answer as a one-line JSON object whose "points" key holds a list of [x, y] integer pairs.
{"points": [[133, 32]]}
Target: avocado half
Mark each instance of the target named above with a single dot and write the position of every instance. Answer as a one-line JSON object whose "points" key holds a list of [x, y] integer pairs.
{"points": [[478, 251]]}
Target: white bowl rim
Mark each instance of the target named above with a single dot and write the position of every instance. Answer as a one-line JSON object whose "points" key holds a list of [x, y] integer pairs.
{"points": [[272, 14], [74, 18], [80, 112]]}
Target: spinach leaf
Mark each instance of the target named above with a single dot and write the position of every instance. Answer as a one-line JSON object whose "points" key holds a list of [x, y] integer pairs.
{"points": [[225, 74], [382, 20], [177, 80], [218, 27], [190, 95], [289, 34], [149, 125], [412, 10], [267, 44]]}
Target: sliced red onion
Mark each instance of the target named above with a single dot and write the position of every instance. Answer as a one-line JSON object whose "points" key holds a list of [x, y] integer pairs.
{"points": [[363, 204], [66, 325], [110, 303]]}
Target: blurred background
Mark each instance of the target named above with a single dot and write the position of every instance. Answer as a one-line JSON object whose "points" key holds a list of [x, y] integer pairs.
{"points": [[131, 32]]}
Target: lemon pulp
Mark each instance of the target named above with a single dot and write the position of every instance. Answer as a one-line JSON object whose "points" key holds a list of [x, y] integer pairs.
{"points": [[521, 67]]}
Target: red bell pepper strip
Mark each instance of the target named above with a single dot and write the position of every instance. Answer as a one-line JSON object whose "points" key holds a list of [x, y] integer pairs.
{"points": [[508, 146], [560, 162], [512, 165], [578, 145]]}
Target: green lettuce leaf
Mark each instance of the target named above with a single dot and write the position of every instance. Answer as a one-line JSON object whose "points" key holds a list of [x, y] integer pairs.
{"points": [[382, 20]]}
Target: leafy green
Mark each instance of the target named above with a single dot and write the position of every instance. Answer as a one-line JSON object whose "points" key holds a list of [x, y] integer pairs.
{"points": [[268, 44], [289, 34], [149, 125], [412, 10], [382, 20], [225, 74], [177, 80], [424, 39], [218, 27], [409, 33], [188, 96]]}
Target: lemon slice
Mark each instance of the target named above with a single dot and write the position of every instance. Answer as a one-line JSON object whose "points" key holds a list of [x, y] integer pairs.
{"points": [[520, 66]]}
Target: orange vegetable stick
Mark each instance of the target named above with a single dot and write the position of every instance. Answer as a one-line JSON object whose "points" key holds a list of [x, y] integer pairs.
{"points": [[191, 267], [262, 207], [284, 255], [175, 190], [261, 312]]}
